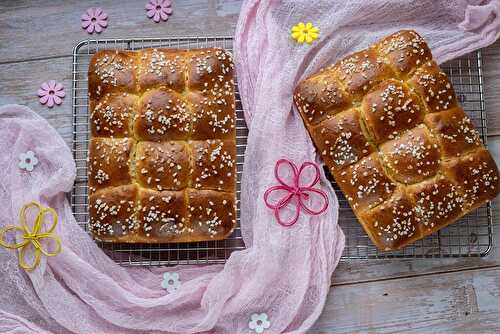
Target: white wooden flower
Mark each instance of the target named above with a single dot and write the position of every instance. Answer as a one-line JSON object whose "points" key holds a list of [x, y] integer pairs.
{"points": [[27, 161], [171, 282], [258, 322]]}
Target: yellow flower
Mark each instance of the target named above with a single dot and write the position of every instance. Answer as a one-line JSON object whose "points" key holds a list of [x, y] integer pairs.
{"points": [[304, 32], [33, 234]]}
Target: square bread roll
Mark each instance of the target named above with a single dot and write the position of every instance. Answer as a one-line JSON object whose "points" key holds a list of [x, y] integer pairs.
{"points": [[162, 152], [387, 124]]}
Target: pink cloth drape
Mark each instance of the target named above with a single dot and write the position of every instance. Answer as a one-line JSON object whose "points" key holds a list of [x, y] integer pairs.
{"points": [[284, 272]]}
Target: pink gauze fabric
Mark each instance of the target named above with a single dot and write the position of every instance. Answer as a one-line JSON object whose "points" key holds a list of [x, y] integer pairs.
{"points": [[284, 272]]}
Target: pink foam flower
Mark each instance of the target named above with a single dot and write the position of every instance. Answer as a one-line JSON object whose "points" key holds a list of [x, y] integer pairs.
{"points": [[51, 92], [94, 20], [159, 9]]}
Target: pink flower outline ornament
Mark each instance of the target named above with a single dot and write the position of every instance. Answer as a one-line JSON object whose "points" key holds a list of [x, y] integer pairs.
{"points": [[295, 190], [51, 92], [158, 9], [94, 20]]}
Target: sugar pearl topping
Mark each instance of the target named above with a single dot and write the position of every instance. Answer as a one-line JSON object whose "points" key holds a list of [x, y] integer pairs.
{"points": [[401, 223], [438, 201], [438, 93], [368, 182], [113, 218], [109, 67], [159, 63]]}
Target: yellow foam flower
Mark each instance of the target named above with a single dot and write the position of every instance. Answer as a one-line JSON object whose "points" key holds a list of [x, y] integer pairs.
{"points": [[304, 32]]}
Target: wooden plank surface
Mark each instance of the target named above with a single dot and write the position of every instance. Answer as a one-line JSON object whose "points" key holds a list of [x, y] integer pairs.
{"points": [[460, 302], [431, 289], [54, 25]]}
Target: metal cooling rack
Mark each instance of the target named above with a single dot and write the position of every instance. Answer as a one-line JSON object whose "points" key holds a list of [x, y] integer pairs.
{"points": [[472, 236], [206, 252]]}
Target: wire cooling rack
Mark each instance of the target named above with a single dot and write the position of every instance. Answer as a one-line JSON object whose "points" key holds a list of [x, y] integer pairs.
{"points": [[472, 236], [207, 252]]}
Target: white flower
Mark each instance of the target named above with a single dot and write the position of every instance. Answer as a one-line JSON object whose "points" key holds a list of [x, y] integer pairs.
{"points": [[27, 160], [171, 282], [258, 322]]}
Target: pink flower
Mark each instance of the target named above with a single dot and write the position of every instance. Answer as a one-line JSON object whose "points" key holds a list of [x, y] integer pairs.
{"points": [[94, 19], [295, 192], [51, 92], [157, 9]]}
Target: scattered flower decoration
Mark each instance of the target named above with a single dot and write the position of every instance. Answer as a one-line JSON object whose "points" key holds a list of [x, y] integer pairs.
{"points": [[50, 93], [28, 161], [258, 322], [33, 235], [159, 9], [171, 282], [94, 20], [295, 190], [304, 32]]}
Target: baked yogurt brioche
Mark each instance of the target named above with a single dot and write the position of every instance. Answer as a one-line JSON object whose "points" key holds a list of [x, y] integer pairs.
{"points": [[162, 152], [387, 124]]}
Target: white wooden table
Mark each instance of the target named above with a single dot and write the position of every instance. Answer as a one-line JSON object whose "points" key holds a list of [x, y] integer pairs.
{"points": [[375, 296]]}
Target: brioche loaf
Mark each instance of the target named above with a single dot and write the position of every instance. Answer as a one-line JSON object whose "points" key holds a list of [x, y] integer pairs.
{"points": [[387, 124], [163, 145]]}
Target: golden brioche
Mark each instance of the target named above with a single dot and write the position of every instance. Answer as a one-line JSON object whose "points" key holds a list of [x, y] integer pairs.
{"points": [[162, 151], [386, 122]]}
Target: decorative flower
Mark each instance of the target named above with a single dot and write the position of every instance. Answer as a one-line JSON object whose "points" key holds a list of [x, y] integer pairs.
{"points": [[171, 282], [34, 235], [159, 9], [304, 32], [258, 322], [27, 161], [94, 19], [296, 190], [51, 92]]}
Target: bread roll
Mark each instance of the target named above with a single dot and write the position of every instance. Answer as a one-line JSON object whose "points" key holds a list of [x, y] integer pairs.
{"points": [[387, 124], [162, 153]]}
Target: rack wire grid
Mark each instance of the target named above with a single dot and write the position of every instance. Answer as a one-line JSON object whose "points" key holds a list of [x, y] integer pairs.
{"points": [[471, 236]]}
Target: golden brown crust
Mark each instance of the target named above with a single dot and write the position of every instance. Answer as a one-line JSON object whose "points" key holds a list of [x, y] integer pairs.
{"points": [[390, 109], [161, 67], [163, 216], [112, 213], [162, 115], [360, 72], [340, 140], [219, 115], [162, 165], [162, 124], [112, 71], [209, 71], [454, 131], [320, 97], [477, 175], [109, 163], [404, 51], [413, 157], [213, 165], [211, 213], [365, 183], [112, 115], [425, 166], [433, 86], [392, 223], [438, 202]]}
